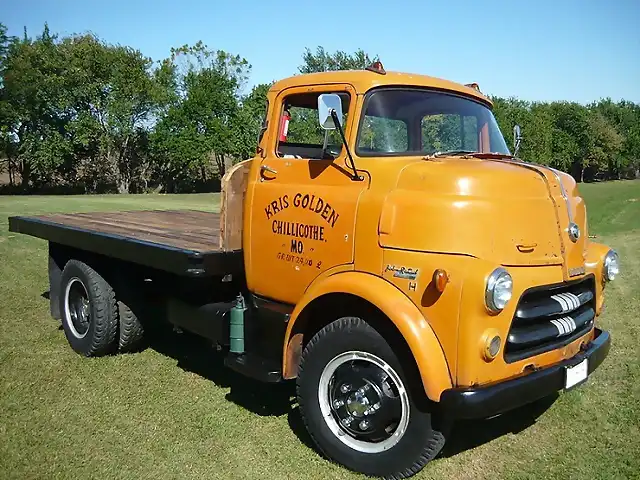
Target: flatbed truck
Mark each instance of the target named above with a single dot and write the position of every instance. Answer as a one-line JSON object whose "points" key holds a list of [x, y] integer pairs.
{"points": [[383, 248]]}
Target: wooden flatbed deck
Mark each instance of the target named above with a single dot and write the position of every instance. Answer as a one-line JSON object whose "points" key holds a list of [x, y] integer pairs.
{"points": [[185, 242]]}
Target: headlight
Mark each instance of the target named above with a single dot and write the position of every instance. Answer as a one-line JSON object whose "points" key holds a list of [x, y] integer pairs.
{"points": [[498, 290], [611, 266]]}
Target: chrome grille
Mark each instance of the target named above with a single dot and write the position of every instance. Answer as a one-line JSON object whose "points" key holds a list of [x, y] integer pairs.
{"points": [[549, 317]]}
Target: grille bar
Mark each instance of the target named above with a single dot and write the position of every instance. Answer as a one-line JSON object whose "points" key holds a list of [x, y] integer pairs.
{"points": [[522, 337], [548, 317], [553, 305]]}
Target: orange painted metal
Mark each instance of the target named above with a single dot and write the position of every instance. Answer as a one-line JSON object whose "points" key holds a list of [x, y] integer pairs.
{"points": [[465, 216]]}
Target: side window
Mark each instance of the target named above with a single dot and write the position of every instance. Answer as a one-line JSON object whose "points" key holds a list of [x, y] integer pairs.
{"points": [[382, 134], [443, 132], [300, 134]]}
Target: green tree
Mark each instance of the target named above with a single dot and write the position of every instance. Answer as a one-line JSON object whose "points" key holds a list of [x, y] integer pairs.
{"points": [[77, 108], [194, 58], [196, 130], [34, 105], [323, 61], [624, 116], [304, 122], [251, 118], [6, 141]]}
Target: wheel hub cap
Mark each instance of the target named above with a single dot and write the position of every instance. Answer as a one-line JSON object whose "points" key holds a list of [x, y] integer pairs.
{"points": [[77, 310], [364, 401], [358, 404]]}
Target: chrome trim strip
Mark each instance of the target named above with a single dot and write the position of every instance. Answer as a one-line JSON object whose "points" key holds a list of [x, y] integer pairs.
{"points": [[564, 193]]}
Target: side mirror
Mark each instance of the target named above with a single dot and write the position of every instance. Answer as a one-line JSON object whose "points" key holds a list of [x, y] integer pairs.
{"points": [[328, 102], [517, 139]]}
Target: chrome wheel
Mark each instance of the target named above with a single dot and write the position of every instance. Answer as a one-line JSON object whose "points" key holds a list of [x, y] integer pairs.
{"points": [[363, 401], [77, 311]]}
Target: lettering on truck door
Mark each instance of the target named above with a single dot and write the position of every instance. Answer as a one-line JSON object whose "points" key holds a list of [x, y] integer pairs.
{"points": [[304, 201]]}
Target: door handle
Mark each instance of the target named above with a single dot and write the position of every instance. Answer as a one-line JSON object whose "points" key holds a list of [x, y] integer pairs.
{"points": [[267, 168]]}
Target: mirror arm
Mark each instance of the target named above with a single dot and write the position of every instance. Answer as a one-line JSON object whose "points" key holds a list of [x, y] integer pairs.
{"points": [[336, 122]]}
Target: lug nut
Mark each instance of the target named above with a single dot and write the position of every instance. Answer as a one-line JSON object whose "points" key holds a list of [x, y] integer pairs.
{"points": [[362, 390], [346, 421], [338, 403], [364, 424], [345, 387]]}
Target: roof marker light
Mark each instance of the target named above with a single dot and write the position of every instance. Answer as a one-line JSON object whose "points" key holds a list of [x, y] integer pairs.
{"points": [[376, 67]]}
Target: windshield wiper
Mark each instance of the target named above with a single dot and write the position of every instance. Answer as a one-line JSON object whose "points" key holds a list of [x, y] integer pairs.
{"points": [[471, 153], [451, 153]]}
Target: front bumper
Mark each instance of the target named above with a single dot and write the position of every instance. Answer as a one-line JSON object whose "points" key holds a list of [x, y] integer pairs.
{"points": [[487, 401]]}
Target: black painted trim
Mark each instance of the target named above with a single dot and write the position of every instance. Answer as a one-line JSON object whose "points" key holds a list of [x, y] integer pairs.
{"points": [[526, 337], [55, 283], [266, 323], [487, 401], [548, 307], [260, 302], [254, 366], [156, 255], [514, 356]]}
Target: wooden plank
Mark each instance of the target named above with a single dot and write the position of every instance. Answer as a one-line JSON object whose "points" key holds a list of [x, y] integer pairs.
{"points": [[164, 229], [161, 256], [191, 230], [234, 187]]}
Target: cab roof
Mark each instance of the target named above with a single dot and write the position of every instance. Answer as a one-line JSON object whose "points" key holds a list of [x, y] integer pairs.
{"points": [[365, 80]]}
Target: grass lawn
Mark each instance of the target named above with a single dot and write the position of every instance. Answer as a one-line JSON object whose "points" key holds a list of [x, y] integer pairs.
{"points": [[173, 411]]}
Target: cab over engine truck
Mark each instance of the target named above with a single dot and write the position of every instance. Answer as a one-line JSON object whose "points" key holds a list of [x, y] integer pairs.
{"points": [[383, 248]]}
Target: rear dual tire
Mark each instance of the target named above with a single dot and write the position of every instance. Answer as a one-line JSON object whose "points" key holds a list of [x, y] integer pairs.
{"points": [[357, 403], [95, 323]]}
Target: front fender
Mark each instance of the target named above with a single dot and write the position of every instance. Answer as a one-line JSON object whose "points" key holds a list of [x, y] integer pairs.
{"points": [[409, 321], [594, 264]]}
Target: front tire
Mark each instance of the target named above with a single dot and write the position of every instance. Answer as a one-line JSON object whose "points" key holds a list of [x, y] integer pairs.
{"points": [[88, 309], [356, 403]]}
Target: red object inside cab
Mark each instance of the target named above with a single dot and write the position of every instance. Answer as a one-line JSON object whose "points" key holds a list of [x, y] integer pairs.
{"points": [[284, 125]]}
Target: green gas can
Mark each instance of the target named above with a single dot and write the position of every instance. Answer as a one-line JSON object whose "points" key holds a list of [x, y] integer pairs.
{"points": [[236, 326]]}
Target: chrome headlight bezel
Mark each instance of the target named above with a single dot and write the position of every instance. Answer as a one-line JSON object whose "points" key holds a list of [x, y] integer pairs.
{"points": [[611, 266], [499, 278]]}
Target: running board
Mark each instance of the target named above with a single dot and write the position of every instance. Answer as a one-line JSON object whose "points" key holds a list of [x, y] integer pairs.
{"points": [[254, 366]]}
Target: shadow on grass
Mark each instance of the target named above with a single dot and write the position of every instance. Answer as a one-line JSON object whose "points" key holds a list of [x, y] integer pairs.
{"points": [[196, 355], [468, 434]]}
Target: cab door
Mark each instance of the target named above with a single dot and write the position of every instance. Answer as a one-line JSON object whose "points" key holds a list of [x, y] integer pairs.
{"points": [[303, 203]]}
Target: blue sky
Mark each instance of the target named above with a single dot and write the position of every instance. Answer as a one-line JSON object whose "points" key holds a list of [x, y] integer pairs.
{"points": [[534, 50]]}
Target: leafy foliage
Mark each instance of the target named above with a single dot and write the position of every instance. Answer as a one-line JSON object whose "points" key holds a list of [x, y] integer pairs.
{"points": [[322, 61], [600, 140], [79, 114]]}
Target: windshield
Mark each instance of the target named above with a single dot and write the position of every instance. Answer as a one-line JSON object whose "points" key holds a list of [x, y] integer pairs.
{"points": [[422, 122]]}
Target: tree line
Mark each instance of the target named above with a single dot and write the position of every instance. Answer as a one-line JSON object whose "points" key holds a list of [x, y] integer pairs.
{"points": [[80, 115]]}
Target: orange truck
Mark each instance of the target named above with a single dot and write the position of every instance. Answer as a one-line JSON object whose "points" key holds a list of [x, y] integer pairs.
{"points": [[383, 248]]}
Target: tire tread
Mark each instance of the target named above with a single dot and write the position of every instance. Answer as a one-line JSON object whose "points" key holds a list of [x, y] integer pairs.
{"points": [[104, 309], [131, 331], [432, 447]]}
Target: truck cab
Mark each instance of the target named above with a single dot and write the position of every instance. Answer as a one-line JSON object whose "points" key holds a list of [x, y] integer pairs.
{"points": [[386, 250]]}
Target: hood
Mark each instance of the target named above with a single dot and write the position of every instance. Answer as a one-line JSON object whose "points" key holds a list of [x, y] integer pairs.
{"points": [[508, 212]]}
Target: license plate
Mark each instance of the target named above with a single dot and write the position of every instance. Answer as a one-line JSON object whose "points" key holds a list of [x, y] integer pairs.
{"points": [[576, 374]]}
